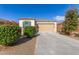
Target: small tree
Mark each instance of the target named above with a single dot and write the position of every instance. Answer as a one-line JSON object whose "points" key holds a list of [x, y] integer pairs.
{"points": [[71, 21]]}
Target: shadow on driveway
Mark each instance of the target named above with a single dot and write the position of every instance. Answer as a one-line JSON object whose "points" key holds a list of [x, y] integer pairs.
{"points": [[24, 39]]}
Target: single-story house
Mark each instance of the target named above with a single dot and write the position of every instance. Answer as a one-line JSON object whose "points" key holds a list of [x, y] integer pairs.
{"points": [[43, 25]]}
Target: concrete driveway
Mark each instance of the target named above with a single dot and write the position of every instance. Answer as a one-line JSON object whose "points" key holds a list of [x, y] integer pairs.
{"points": [[56, 44]]}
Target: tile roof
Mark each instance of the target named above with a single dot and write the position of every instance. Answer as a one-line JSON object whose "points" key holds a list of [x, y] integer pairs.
{"points": [[38, 20], [45, 20], [26, 19]]}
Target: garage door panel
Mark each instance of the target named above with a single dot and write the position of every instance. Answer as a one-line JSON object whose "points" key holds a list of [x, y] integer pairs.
{"points": [[46, 27]]}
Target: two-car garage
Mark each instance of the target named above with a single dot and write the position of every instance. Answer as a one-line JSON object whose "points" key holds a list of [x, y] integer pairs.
{"points": [[46, 26]]}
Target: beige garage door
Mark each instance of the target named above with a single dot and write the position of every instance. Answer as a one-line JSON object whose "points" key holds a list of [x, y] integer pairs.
{"points": [[46, 27]]}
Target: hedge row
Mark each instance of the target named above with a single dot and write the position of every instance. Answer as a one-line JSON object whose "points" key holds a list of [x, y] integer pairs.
{"points": [[9, 34]]}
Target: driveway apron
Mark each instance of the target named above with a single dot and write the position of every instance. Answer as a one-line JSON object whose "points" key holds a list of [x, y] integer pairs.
{"points": [[48, 43]]}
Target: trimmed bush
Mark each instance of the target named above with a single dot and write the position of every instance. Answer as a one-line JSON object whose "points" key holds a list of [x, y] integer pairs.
{"points": [[30, 31], [9, 34]]}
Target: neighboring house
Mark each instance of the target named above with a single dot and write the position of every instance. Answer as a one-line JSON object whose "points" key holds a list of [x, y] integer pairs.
{"points": [[43, 25], [59, 27]]}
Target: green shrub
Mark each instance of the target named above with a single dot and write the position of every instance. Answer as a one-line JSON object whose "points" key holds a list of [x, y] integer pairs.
{"points": [[30, 31], [9, 34], [71, 21]]}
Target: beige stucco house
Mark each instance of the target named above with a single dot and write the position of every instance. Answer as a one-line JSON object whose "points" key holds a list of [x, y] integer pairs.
{"points": [[43, 25]]}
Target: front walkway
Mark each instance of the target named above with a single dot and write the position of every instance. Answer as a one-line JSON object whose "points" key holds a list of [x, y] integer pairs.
{"points": [[56, 44]]}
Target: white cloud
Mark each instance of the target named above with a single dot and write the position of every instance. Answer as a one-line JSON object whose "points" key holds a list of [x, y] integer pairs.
{"points": [[59, 18]]}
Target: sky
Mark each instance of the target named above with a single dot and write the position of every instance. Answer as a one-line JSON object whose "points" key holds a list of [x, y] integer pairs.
{"points": [[54, 12]]}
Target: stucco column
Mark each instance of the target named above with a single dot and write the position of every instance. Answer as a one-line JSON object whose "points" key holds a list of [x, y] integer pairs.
{"points": [[55, 26], [22, 31]]}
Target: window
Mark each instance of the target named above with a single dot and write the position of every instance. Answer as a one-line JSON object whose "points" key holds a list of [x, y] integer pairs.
{"points": [[26, 23]]}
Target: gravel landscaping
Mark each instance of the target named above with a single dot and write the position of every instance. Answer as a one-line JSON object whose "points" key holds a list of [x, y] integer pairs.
{"points": [[24, 46]]}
